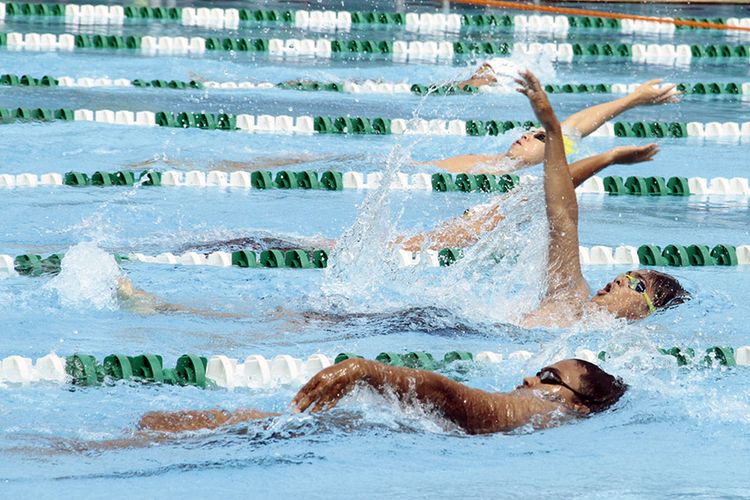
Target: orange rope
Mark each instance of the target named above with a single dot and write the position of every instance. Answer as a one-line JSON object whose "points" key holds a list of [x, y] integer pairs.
{"points": [[597, 13]]}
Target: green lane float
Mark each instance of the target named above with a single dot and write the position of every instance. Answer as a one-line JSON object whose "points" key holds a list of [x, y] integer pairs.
{"points": [[117, 367], [683, 356], [676, 255], [724, 255], [244, 258], [191, 370], [28, 264], [448, 256], [651, 186], [692, 255], [297, 259], [444, 182], [724, 356], [700, 255], [84, 370], [272, 258], [390, 358]]}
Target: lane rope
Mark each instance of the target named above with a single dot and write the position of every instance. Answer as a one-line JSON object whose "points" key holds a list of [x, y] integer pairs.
{"points": [[672, 255], [400, 51], [361, 86], [318, 20], [331, 180], [353, 125], [601, 14], [257, 372]]}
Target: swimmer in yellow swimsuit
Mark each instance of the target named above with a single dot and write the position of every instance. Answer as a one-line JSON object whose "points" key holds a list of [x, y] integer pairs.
{"points": [[529, 148]]}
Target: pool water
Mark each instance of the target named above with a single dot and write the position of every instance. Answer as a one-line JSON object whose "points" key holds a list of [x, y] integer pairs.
{"points": [[677, 432]]}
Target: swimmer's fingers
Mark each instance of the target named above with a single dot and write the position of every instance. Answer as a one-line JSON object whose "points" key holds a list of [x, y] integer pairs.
{"points": [[668, 93], [319, 391], [635, 154], [521, 87], [306, 395], [328, 400], [668, 96]]}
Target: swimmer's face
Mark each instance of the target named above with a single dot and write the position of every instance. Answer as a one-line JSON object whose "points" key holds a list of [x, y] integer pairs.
{"points": [[624, 297], [529, 148], [567, 371]]}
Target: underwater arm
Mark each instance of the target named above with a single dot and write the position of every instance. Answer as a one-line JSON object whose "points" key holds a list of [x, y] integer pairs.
{"points": [[477, 164], [194, 420], [475, 411], [457, 232], [588, 120]]}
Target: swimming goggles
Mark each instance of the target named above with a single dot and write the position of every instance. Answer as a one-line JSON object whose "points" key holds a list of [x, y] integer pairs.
{"points": [[639, 286], [549, 375]]}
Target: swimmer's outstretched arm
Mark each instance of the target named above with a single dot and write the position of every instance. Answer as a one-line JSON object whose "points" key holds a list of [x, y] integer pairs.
{"points": [[194, 420], [474, 410], [484, 75], [564, 275], [588, 120], [457, 232], [623, 155]]}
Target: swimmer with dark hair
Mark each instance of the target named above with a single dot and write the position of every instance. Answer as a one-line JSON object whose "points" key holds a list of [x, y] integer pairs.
{"points": [[633, 295], [558, 393]]}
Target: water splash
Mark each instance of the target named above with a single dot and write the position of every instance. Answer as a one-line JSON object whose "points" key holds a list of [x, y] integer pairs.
{"points": [[88, 278], [485, 285], [506, 69]]}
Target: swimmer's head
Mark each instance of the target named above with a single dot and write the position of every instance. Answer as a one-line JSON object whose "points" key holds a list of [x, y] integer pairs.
{"points": [[579, 384], [529, 148], [636, 294]]}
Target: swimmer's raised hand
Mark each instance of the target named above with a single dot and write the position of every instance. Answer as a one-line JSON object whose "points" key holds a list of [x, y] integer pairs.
{"points": [[649, 93], [327, 387], [531, 88]]}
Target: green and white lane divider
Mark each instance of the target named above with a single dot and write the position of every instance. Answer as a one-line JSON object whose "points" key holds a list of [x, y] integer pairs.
{"points": [[329, 20], [331, 180], [359, 125], [673, 255], [361, 87], [258, 372], [442, 52]]}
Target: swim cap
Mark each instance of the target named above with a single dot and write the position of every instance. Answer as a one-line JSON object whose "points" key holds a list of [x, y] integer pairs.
{"points": [[569, 145]]}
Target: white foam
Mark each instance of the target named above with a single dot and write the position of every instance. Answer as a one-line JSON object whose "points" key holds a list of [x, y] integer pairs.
{"points": [[88, 278]]}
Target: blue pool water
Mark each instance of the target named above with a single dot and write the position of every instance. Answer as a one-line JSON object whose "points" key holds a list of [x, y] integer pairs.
{"points": [[677, 432]]}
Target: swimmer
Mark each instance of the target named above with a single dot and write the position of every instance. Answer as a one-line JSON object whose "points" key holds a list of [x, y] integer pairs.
{"points": [[260, 163], [633, 295], [466, 230], [558, 393], [528, 150], [144, 303], [461, 231]]}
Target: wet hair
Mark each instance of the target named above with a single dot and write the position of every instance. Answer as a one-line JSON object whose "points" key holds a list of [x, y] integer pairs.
{"points": [[666, 291], [598, 390]]}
